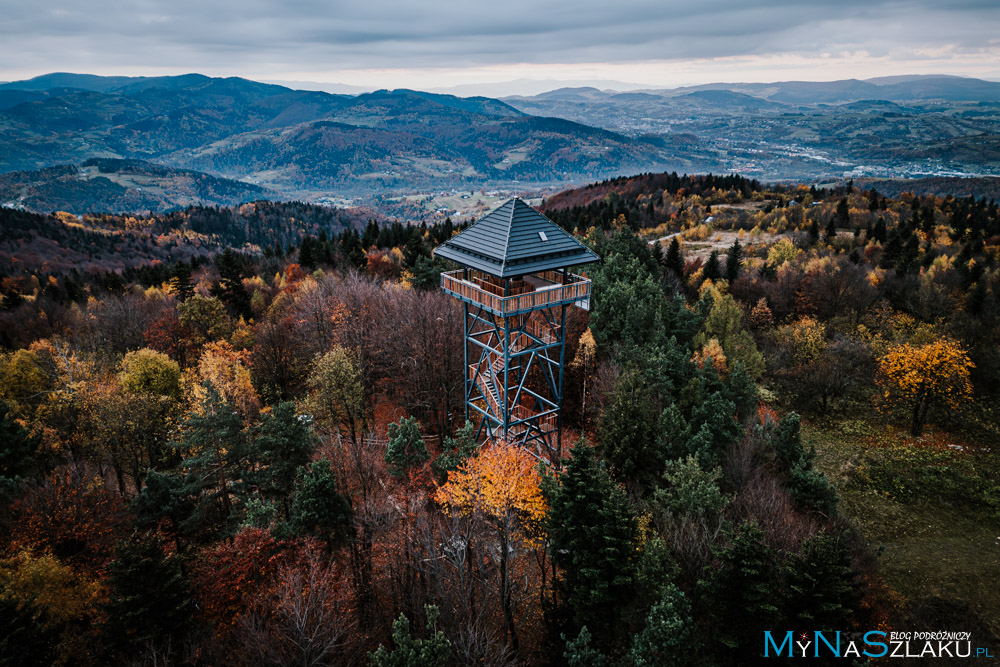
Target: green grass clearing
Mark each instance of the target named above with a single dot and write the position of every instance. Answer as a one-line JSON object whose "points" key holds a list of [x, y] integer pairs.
{"points": [[929, 505]]}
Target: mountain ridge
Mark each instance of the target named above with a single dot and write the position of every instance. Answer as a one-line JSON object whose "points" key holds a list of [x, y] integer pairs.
{"points": [[239, 129]]}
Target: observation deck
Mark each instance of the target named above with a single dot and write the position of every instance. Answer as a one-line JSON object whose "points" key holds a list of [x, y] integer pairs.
{"points": [[530, 292]]}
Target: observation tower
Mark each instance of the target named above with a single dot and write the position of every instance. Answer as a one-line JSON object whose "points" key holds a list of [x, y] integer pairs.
{"points": [[515, 289]]}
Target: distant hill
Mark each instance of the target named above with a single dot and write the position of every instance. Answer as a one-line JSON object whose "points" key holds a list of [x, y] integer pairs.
{"points": [[57, 80], [120, 186], [902, 88], [727, 99], [299, 142], [902, 126]]}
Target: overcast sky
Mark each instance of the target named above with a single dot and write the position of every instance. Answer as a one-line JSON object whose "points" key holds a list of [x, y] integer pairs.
{"points": [[433, 43]]}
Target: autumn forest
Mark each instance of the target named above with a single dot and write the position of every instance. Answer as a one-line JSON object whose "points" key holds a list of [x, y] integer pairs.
{"points": [[237, 436]]}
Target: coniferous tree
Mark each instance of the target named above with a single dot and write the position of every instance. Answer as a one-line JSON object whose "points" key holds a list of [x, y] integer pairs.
{"points": [[667, 638], [354, 253], [216, 446], [149, 602], [181, 282], [734, 260], [592, 535], [307, 253], [674, 259], [370, 237], [410, 651], [454, 451], [406, 448], [823, 588], [283, 444], [657, 250], [629, 440], [879, 232], [742, 595], [415, 247], [425, 274], [842, 218], [231, 288], [318, 507], [579, 652], [810, 488], [712, 269]]}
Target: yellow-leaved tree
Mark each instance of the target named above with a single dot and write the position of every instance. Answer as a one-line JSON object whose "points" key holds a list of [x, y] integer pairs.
{"points": [[502, 485], [917, 377]]}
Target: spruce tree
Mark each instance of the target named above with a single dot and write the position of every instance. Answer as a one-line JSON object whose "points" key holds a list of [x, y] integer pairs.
{"points": [[657, 250], [712, 269], [675, 260], [230, 266], [307, 252], [823, 588], [318, 508], [814, 230], [282, 445], [149, 602], [354, 253], [181, 282], [592, 538], [842, 218], [741, 595], [734, 260], [629, 438], [880, 231]]}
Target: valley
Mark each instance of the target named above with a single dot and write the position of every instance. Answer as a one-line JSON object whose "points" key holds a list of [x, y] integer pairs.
{"points": [[263, 141]]}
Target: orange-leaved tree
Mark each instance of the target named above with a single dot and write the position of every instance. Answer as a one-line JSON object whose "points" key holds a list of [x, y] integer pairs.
{"points": [[501, 484], [916, 377]]}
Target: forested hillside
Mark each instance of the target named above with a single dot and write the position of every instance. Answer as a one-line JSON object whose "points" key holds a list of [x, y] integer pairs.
{"points": [[100, 242], [120, 186], [244, 443], [302, 142]]}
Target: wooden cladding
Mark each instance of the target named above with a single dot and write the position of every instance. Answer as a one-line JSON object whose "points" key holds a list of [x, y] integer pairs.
{"points": [[487, 294]]}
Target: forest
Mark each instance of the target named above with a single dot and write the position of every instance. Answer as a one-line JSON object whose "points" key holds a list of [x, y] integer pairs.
{"points": [[255, 453]]}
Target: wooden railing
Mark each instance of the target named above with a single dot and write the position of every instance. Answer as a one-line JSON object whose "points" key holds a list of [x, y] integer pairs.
{"points": [[541, 330], [503, 305]]}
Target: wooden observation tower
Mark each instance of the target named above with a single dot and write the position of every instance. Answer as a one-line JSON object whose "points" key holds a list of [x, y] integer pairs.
{"points": [[515, 290]]}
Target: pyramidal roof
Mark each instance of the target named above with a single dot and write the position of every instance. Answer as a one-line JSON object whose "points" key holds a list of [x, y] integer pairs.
{"points": [[513, 240]]}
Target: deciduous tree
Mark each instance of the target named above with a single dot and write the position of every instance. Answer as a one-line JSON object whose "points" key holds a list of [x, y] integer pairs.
{"points": [[337, 394], [919, 377], [502, 483]]}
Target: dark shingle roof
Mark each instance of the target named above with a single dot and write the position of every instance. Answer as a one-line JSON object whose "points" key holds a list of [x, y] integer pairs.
{"points": [[513, 240]]}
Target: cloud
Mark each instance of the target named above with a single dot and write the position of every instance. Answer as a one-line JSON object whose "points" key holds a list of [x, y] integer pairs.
{"points": [[273, 36]]}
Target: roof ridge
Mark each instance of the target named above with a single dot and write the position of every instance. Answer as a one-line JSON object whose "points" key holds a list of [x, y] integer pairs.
{"points": [[506, 243]]}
